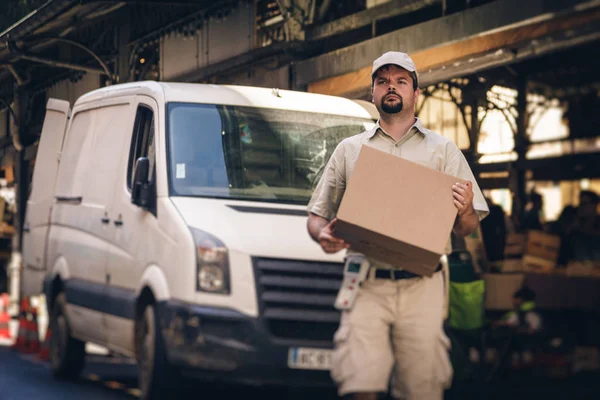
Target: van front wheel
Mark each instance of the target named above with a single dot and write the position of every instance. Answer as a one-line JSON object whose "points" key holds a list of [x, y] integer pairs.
{"points": [[156, 379], [67, 354]]}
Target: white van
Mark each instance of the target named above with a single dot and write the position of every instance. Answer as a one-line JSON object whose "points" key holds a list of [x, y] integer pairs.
{"points": [[167, 222]]}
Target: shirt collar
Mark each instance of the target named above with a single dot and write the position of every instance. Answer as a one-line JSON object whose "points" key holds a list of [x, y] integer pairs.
{"points": [[418, 125]]}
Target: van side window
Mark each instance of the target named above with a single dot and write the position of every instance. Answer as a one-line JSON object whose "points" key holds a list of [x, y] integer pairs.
{"points": [[110, 125], [75, 157], [142, 143]]}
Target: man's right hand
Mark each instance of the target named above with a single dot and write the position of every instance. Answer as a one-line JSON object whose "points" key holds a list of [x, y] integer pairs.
{"points": [[329, 243]]}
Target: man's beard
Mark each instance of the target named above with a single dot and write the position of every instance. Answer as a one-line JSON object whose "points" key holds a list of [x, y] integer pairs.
{"points": [[392, 108]]}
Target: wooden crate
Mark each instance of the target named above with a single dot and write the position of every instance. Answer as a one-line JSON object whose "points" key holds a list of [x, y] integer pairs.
{"points": [[9, 174], [579, 268], [511, 265], [583, 268], [515, 245], [543, 245], [538, 265]]}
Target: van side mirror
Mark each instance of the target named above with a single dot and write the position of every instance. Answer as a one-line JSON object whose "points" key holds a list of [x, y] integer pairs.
{"points": [[141, 187]]}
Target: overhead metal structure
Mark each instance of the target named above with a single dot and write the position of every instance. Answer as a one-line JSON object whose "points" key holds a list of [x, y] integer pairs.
{"points": [[537, 47], [63, 39]]}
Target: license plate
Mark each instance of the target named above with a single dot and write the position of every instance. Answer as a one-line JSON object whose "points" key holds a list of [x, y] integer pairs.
{"points": [[307, 358]]}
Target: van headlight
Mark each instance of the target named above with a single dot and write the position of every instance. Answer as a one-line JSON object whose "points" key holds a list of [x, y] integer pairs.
{"points": [[212, 263]]}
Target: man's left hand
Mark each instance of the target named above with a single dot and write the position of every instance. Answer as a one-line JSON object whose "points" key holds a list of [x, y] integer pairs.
{"points": [[463, 197]]}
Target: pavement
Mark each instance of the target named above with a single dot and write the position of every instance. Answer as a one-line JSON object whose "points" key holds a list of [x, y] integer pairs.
{"points": [[105, 377], [27, 377], [24, 376], [582, 386]]}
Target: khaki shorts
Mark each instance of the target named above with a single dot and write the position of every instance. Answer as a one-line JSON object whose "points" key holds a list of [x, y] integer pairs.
{"points": [[393, 339]]}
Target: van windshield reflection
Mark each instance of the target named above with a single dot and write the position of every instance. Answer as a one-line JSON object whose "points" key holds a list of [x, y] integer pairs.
{"points": [[251, 153]]}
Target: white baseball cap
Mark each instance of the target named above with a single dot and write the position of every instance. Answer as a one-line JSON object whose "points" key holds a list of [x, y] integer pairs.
{"points": [[397, 58]]}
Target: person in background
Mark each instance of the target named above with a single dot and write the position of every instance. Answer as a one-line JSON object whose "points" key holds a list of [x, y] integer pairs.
{"points": [[493, 230], [523, 318], [586, 229], [563, 228], [532, 219], [523, 323]]}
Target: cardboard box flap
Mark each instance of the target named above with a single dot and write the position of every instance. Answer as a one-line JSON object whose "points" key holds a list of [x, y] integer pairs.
{"points": [[400, 199], [388, 250]]}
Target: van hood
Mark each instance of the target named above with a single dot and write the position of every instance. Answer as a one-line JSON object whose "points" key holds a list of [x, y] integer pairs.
{"points": [[255, 228]]}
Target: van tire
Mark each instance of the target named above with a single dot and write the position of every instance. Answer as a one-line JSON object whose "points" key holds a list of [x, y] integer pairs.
{"points": [[156, 379], [67, 354]]}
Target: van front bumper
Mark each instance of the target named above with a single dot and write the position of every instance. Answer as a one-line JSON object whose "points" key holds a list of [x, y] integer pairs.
{"points": [[225, 345]]}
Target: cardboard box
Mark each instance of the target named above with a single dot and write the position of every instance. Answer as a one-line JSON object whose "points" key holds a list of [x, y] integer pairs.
{"points": [[397, 211], [543, 245], [499, 290], [583, 268], [538, 265], [579, 268], [541, 253], [512, 265], [9, 174], [562, 271], [515, 245]]}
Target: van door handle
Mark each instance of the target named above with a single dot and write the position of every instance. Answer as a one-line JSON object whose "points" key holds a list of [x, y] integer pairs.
{"points": [[69, 199], [26, 228], [105, 220], [119, 221]]}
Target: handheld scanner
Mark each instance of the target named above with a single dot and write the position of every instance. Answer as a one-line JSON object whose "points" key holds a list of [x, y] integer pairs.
{"points": [[356, 269]]}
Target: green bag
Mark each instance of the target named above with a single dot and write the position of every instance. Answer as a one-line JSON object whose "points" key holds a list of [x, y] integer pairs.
{"points": [[467, 304]]}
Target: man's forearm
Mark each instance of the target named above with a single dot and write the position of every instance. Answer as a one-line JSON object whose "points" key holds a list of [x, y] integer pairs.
{"points": [[315, 224], [466, 224]]}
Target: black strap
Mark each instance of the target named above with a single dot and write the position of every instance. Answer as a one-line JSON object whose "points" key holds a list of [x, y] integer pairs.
{"points": [[397, 274]]}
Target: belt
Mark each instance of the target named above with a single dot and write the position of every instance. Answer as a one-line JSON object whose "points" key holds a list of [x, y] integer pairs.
{"points": [[397, 274]]}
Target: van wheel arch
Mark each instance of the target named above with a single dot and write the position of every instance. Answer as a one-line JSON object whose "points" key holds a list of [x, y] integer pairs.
{"points": [[145, 299], [67, 354], [56, 288], [156, 378]]}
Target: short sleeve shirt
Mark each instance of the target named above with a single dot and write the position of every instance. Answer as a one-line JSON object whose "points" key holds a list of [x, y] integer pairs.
{"points": [[419, 145]]}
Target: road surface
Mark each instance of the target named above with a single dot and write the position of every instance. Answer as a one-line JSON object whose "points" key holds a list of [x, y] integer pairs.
{"points": [[110, 378], [105, 378]]}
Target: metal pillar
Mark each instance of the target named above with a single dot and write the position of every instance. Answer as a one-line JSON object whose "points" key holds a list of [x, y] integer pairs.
{"points": [[123, 35], [21, 168], [18, 131], [518, 174], [474, 99]]}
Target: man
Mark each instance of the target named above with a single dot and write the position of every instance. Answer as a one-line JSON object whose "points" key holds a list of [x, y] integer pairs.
{"points": [[493, 231], [524, 324], [532, 218], [585, 232], [523, 317], [394, 329]]}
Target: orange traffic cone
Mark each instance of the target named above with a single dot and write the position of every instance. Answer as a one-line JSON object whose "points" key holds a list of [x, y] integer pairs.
{"points": [[4, 317], [20, 343], [45, 350], [33, 335]]}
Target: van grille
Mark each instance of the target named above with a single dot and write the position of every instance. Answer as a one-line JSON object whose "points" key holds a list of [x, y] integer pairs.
{"points": [[297, 298]]}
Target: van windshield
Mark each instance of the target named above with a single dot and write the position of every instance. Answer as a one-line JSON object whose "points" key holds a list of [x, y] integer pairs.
{"points": [[251, 153]]}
